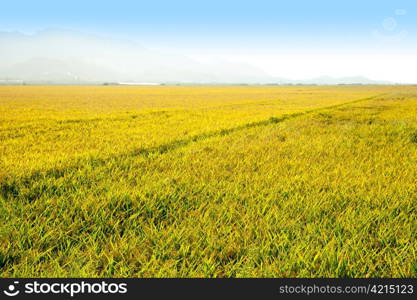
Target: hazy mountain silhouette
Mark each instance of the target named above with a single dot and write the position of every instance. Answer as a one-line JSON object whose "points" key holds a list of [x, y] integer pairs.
{"points": [[65, 56]]}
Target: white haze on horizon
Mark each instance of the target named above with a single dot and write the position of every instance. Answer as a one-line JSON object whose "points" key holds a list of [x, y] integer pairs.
{"points": [[385, 67], [70, 56]]}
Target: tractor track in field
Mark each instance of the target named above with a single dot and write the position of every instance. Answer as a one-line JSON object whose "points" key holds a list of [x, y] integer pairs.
{"points": [[10, 187], [164, 148]]}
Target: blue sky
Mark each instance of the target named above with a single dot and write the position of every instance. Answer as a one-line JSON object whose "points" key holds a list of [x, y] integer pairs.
{"points": [[232, 28], [190, 21]]}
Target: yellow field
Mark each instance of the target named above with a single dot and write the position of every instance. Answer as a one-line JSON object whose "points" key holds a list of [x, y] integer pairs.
{"points": [[208, 181]]}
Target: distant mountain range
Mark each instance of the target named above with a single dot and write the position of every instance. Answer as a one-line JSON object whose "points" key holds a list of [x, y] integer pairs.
{"points": [[63, 56]]}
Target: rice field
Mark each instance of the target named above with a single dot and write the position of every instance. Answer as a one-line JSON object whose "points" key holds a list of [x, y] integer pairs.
{"points": [[228, 181]]}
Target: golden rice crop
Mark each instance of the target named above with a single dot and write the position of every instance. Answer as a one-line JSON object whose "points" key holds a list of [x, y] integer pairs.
{"points": [[301, 181]]}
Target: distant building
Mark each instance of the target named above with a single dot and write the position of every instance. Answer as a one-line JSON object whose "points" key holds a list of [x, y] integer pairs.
{"points": [[139, 83], [11, 81]]}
